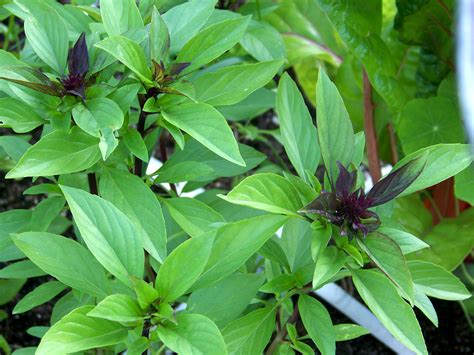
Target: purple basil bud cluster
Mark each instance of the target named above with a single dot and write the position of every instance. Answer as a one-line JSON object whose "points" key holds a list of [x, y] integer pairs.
{"points": [[78, 65], [350, 210]]}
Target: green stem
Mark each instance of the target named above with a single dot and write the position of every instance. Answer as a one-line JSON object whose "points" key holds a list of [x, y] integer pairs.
{"points": [[258, 10]]}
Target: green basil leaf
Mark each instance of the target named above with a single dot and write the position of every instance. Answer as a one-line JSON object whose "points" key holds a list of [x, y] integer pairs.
{"points": [[129, 53], [423, 303], [268, 192], [336, 135], [394, 313], [225, 300], [19, 116], [159, 38], [38, 296], [386, 254], [250, 333], [45, 212], [76, 332], [232, 246], [58, 153], [328, 264], [318, 323], [120, 16], [263, 42], [21, 270], [193, 216], [212, 42], [66, 260], [196, 13], [108, 234], [346, 332], [435, 281], [183, 266], [48, 36], [442, 162], [193, 334], [196, 162], [135, 143], [204, 123], [232, 84], [134, 198], [118, 308], [298, 133], [13, 221], [407, 242]]}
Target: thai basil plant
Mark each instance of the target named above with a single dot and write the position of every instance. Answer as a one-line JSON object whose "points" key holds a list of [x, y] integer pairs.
{"points": [[130, 261]]}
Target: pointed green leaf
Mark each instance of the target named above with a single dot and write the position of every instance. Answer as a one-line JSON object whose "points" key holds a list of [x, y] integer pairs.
{"points": [[66, 260], [120, 16], [336, 135], [108, 234], [328, 264], [159, 38], [394, 313], [194, 335], [318, 324], [183, 267], [129, 53], [77, 332], [134, 198], [118, 308], [38, 296], [17, 115], [58, 153], [298, 132], [204, 123]]}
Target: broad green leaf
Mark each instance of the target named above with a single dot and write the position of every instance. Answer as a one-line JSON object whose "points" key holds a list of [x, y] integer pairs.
{"points": [[205, 124], [10, 289], [394, 313], [349, 331], [48, 36], [45, 212], [134, 198], [423, 303], [77, 332], [183, 266], [233, 247], [435, 281], [196, 13], [108, 234], [159, 38], [295, 241], [448, 252], [38, 296], [17, 115], [14, 146], [280, 283], [250, 333], [336, 135], [225, 300], [196, 162], [268, 192], [318, 324], [386, 254], [129, 53], [98, 114], [442, 162], [232, 84], [146, 293], [118, 308], [66, 260], [252, 106], [21, 270], [263, 42], [58, 153], [426, 122], [328, 264], [135, 143], [212, 42], [193, 216], [120, 16], [464, 185], [193, 334], [298, 133], [13, 221], [407, 242]]}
